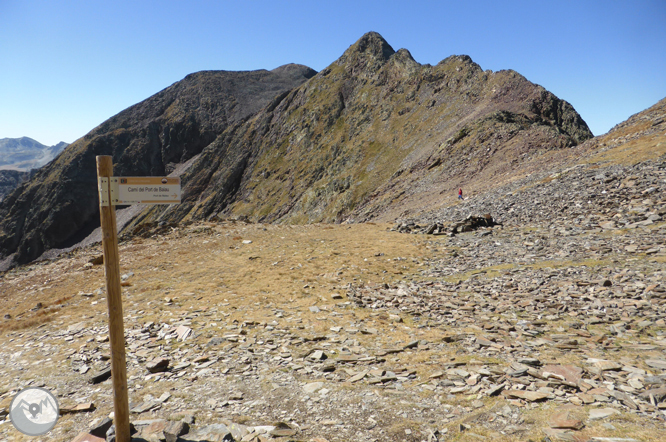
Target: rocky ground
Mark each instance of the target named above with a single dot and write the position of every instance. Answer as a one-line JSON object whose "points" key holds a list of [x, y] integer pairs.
{"points": [[550, 327]]}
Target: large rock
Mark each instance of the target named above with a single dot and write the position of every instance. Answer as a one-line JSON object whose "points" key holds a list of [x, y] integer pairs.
{"points": [[473, 222], [210, 433], [158, 365]]}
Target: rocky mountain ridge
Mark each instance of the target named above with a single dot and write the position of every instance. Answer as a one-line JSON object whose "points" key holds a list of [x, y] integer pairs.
{"points": [[370, 134], [373, 136]]}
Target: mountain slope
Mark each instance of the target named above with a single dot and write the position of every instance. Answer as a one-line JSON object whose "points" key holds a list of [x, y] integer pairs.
{"points": [[371, 134], [9, 180], [148, 138], [641, 136]]}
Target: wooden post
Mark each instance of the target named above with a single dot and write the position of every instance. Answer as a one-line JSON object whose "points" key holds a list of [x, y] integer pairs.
{"points": [[107, 215]]}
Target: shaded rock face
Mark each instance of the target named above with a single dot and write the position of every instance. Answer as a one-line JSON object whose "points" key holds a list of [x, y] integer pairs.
{"points": [[373, 130], [372, 133], [9, 180], [148, 138]]}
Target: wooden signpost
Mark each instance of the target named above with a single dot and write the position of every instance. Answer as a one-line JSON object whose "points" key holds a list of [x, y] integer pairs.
{"points": [[149, 190]]}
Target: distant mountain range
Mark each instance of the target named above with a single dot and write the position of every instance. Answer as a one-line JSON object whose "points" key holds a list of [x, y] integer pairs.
{"points": [[24, 154], [20, 156]]}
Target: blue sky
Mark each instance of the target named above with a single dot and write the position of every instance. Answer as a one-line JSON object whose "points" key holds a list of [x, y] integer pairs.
{"points": [[66, 66]]}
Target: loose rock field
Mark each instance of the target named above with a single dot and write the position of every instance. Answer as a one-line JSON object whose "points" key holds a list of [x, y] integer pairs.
{"points": [[550, 327]]}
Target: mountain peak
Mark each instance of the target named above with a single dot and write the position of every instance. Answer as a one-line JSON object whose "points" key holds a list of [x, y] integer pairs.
{"points": [[374, 44], [295, 69], [370, 50]]}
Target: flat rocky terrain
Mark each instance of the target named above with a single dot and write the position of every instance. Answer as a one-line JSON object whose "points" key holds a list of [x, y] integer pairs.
{"points": [[548, 327]]}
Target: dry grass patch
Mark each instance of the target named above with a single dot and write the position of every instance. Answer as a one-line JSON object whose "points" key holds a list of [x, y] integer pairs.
{"points": [[290, 268], [649, 147]]}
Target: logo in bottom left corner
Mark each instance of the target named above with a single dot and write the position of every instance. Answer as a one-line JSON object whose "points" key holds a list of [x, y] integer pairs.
{"points": [[34, 411]]}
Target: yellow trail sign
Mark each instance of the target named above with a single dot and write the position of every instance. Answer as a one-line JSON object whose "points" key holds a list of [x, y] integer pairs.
{"points": [[143, 190]]}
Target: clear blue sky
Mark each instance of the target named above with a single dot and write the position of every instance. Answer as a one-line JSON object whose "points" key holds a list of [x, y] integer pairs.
{"points": [[66, 66]]}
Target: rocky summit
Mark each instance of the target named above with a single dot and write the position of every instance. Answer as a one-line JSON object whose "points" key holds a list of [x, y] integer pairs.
{"points": [[531, 310], [372, 136]]}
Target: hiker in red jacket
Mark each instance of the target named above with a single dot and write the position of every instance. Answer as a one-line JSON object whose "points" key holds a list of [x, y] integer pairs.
{"points": [[460, 194]]}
